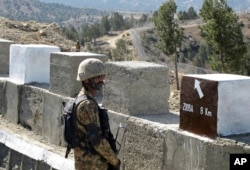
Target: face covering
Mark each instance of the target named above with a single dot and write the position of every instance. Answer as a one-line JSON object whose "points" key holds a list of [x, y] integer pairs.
{"points": [[99, 85], [96, 86]]}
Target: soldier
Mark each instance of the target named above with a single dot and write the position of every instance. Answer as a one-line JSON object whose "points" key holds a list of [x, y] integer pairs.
{"points": [[94, 152], [78, 46]]}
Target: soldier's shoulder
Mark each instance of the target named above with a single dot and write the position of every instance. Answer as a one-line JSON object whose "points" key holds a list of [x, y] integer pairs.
{"points": [[88, 103]]}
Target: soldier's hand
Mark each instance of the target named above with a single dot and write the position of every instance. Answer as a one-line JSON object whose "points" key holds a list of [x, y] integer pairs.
{"points": [[117, 165]]}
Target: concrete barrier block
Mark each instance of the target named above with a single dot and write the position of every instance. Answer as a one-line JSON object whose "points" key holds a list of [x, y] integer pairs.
{"points": [[25, 152], [28, 163], [30, 63], [136, 88], [215, 104], [63, 71], [52, 118], [4, 156], [12, 99], [143, 145], [42, 165], [118, 126], [183, 151], [151, 145], [32, 108], [5, 55], [2, 96], [218, 152], [15, 161], [117, 120], [61, 139]]}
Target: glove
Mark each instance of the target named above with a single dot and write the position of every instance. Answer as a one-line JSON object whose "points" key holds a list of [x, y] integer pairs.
{"points": [[116, 166]]}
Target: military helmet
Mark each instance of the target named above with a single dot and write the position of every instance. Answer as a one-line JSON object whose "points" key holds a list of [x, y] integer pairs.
{"points": [[89, 68]]}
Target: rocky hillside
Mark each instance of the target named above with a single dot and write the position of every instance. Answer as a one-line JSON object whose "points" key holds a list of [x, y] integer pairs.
{"points": [[32, 32]]}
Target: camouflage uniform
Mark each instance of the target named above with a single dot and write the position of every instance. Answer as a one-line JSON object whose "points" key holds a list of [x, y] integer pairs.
{"points": [[87, 113]]}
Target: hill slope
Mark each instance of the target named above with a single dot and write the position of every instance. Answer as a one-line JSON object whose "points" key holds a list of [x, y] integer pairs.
{"points": [[34, 33], [42, 12]]}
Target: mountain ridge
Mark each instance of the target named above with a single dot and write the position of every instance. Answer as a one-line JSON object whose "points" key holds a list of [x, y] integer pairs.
{"points": [[25, 10], [145, 5]]}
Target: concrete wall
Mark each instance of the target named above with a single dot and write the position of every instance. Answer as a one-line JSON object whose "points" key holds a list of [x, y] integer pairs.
{"points": [[146, 144], [19, 153], [4, 55], [12, 101], [2, 96], [39, 110], [153, 145]]}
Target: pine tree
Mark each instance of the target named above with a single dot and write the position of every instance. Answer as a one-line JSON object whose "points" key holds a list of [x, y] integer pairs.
{"points": [[105, 26], [169, 31], [224, 36]]}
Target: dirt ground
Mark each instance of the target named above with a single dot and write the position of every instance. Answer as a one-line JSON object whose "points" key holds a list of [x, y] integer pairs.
{"points": [[174, 97]]}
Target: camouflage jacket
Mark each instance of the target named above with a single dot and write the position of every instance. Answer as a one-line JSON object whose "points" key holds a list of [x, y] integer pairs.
{"points": [[87, 113]]}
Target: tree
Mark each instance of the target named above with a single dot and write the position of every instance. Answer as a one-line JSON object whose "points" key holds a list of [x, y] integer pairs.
{"points": [[169, 31], [143, 19], [203, 53], [190, 14], [116, 21], [86, 33], [224, 36], [71, 33], [95, 31], [121, 52], [105, 26]]}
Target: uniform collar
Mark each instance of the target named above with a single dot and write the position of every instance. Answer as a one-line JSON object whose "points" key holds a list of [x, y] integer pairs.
{"points": [[84, 92]]}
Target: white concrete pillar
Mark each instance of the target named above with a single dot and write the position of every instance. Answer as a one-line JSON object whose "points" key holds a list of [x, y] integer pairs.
{"points": [[30, 63]]}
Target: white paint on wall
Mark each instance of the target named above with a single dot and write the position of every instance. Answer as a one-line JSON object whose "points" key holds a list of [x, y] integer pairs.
{"points": [[233, 106], [219, 77], [31, 62]]}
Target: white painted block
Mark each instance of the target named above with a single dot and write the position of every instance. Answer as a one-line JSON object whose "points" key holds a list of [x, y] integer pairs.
{"points": [[217, 105], [31, 62]]}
